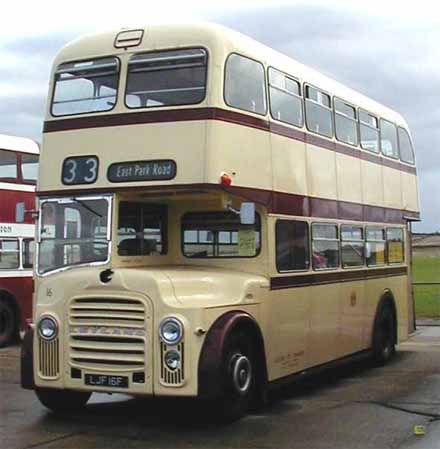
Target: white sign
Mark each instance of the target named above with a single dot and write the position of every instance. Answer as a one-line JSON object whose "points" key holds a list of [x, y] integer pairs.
{"points": [[17, 230]]}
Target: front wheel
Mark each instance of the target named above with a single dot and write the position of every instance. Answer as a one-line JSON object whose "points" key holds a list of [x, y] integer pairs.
{"points": [[238, 378], [384, 342], [62, 400]]}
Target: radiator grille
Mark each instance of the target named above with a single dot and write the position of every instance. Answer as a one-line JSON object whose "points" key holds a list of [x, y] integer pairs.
{"points": [[49, 358], [168, 376], [107, 334]]}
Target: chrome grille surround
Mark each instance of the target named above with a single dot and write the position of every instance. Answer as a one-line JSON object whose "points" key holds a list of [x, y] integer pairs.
{"points": [[107, 334]]}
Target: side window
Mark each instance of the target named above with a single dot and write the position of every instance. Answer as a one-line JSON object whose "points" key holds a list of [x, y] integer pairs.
{"points": [[345, 123], [292, 245], [9, 254], [319, 117], [29, 167], [388, 139], [405, 147], [375, 246], [285, 98], [395, 248], [142, 229], [28, 253], [352, 244], [369, 131], [245, 84], [8, 166], [325, 246]]}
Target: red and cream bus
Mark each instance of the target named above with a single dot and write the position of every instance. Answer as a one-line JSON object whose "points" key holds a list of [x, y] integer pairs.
{"points": [[18, 176], [214, 218]]}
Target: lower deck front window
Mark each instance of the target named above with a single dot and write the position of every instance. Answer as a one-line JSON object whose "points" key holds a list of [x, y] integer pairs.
{"points": [[219, 234], [73, 231]]}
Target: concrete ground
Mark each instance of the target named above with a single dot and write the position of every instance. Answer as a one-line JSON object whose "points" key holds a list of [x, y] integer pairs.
{"points": [[354, 407]]}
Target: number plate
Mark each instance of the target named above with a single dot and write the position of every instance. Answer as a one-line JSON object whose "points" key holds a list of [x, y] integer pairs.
{"points": [[98, 380]]}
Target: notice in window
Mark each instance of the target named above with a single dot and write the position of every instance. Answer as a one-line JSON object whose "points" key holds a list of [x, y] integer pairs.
{"points": [[395, 252], [247, 244]]}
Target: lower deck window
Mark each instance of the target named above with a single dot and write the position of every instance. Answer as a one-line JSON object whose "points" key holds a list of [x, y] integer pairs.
{"points": [[28, 253], [219, 234], [141, 229], [325, 246], [9, 254], [352, 246], [292, 245], [395, 247], [375, 246]]}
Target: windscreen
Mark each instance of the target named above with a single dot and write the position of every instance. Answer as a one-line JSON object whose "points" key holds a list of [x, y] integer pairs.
{"points": [[86, 86], [73, 232], [166, 78]]}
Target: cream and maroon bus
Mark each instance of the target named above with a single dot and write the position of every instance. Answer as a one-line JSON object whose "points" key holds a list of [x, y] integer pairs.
{"points": [[214, 218]]}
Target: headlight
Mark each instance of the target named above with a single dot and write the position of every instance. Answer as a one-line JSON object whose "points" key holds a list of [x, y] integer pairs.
{"points": [[47, 328], [171, 331], [172, 360]]}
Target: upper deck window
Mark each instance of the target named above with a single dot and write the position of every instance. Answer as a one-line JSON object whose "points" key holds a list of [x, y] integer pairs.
{"points": [[8, 166], [245, 84], [29, 167], [369, 131], [285, 98], [388, 139], [87, 86], [345, 122], [319, 118], [166, 78], [405, 147]]}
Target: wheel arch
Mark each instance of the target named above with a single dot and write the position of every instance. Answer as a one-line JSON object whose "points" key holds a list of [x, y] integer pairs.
{"points": [[209, 382]]}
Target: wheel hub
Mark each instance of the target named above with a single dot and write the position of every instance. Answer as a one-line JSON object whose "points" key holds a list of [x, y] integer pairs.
{"points": [[241, 374]]}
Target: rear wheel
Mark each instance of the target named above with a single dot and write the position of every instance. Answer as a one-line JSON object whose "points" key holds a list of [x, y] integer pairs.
{"points": [[62, 400], [238, 378], [8, 324], [384, 342]]}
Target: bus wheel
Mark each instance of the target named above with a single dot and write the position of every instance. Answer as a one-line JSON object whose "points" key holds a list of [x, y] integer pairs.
{"points": [[62, 400], [8, 324], [384, 342], [238, 374]]}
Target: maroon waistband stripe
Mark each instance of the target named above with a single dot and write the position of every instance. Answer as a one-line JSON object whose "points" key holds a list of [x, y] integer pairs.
{"points": [[238, 118], [323, 278], [279, 202]]}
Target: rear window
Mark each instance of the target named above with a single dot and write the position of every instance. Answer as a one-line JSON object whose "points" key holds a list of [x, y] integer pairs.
{"points": [[166, 78], [245, 84], [86, 86], [405, 146]]}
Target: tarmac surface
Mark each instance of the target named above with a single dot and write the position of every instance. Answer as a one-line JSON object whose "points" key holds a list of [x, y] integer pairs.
{"points": [[356, 406]]}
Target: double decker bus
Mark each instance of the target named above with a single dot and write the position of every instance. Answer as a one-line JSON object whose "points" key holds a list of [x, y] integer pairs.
{"points": [[18, 176], [214, 218]]}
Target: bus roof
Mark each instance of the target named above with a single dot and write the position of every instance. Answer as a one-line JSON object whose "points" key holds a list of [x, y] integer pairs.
{"points": [[227, 41], [20, 144]]}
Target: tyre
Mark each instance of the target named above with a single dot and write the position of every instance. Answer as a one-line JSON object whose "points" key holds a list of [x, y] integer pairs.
{"points": [[8, 323], [384, 341], [62, 400], [238, 378]]}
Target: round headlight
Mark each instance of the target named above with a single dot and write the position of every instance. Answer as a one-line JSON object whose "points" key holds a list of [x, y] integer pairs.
{"points": [[171, 331], [47, 328], [172, 360]]}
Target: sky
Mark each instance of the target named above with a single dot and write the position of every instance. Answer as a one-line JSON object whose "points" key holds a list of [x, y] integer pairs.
{"points": [[388, 50]]}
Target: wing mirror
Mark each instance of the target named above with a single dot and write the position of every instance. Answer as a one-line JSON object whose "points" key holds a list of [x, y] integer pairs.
{"points": [[247, 213]]}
